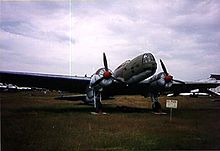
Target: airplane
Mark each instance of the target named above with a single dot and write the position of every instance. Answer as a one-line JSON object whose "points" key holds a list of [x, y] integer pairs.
{"points": [[13, 88], [133, 77], [3, 87]]}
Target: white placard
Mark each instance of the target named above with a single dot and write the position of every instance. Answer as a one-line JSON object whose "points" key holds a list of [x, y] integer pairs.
{"points": [[171, 104]]}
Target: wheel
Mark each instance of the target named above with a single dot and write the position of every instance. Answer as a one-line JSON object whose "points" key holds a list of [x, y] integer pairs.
{"points": [[156, 107], [98, 106]]}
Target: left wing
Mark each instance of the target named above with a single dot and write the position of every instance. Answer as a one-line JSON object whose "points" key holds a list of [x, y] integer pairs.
{"points": [[54, 82]]}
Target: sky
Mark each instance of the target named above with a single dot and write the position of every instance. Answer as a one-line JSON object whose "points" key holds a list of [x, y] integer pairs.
{"points": [[69, 37]]}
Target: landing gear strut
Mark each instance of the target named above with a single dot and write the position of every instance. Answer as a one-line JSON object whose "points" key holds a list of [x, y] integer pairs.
{"points": [[156, 107], [98, 107], [98, 102]]}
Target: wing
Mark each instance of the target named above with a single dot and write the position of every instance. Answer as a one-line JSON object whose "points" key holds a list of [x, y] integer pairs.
{"points": [[177, 88], [80, 84], [146, 87], [53, 82]]}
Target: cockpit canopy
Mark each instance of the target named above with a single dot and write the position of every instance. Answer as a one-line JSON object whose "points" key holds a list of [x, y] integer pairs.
{"points": [[148, 57]]}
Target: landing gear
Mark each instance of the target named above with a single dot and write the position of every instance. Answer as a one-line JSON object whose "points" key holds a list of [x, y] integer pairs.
{"points": [[98, 106], [156, 107], [94, 96], [97, 102]]}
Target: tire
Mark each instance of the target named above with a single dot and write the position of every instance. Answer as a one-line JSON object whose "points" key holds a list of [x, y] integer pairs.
{"points": [[98, 106], [156, 107]]}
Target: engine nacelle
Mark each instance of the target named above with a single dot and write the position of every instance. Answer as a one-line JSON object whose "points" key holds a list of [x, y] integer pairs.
{"points": [[159, 81], [98, 75], [100, 79]]}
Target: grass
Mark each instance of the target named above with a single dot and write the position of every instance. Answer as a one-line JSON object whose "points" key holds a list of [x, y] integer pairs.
{"points": [[36, 121]]}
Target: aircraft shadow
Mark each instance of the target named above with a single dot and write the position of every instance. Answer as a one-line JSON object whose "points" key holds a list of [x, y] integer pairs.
{"points": [[129, 109], [83, 109]]}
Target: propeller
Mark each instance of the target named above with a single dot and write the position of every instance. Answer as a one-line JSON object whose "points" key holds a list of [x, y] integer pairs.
{"points": [[107, 74], [168, 77]]}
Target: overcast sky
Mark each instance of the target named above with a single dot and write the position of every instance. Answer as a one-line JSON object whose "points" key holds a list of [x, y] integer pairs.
{"points": [[69, 37]]}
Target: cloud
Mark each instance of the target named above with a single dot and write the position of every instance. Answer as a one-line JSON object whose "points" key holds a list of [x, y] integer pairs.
{"points": [[72, 35], [35, 37]]}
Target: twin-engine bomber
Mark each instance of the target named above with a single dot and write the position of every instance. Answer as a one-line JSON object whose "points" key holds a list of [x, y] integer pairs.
{"points": [[133, 77]]}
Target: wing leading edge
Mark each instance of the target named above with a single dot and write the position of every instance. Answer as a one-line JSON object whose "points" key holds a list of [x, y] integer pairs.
{"points": [[53, 82]]}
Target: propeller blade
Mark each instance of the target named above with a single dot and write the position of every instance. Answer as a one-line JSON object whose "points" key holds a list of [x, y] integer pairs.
{"points": [[105, 62], [163, 67], [97, 82], [179, 81]]}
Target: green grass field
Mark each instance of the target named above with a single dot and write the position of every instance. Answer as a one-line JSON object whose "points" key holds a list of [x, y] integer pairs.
{"points": [[35, 121]]}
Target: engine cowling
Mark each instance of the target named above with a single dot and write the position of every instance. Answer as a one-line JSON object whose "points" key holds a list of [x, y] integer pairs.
{"points": [[161, 80], [104, 76]]}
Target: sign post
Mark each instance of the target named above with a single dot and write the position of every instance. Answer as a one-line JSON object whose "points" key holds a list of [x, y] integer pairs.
{"points": [[171, 111], [171, 104]]}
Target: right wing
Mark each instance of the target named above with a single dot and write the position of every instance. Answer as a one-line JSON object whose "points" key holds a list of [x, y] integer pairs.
{"points": [[146, 87], [53, 82], [203, 87]]}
